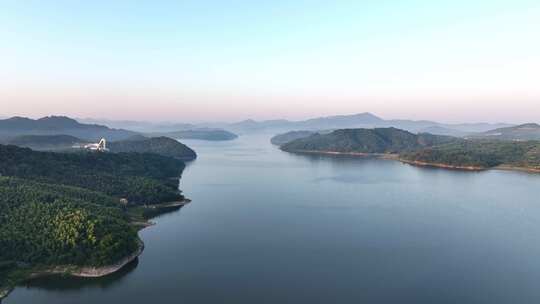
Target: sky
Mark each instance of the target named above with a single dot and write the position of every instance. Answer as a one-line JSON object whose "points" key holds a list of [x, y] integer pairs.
{"points": [[452, 61]]}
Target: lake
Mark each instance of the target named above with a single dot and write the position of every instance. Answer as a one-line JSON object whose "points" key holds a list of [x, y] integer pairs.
{"points": [[267, 226]]}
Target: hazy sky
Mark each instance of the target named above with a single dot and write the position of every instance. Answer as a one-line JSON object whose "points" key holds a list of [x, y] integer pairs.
{"points": [[458, 60]]}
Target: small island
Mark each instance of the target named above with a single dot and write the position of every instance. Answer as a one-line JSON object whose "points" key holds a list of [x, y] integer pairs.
{"points": [[198, 133], [78, 213], [423, 149]]}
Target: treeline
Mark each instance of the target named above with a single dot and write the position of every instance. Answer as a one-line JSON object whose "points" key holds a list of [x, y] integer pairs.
{"points": [[158, 145], [43, 224], [141, 178], [378, 140], [423, 147], [481, 153], [54, 224]]}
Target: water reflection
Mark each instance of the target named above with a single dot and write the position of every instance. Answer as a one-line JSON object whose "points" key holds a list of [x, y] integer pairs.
{"points": [[69, 283]]}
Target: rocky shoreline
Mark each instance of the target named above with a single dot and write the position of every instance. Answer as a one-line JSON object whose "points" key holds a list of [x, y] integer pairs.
{"points": [[90, 272], [443, 166], [78, 271]]}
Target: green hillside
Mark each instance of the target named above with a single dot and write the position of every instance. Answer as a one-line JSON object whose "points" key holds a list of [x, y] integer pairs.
{"points": [[158, 145], [481, 153], [379, 140], [66, 209], [142, 178], [44, 225], [524, 132]]}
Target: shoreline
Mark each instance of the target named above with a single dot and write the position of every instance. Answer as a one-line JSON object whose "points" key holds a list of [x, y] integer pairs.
{"points": [[391, 156], [338, 153], [102, 271], [79, 271], [88, 271], [442, 166]]}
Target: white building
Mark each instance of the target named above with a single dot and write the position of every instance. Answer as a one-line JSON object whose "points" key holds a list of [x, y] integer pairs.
{"points": [[100, 147]]}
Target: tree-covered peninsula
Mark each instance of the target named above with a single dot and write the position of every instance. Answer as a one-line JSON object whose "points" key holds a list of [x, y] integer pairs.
{"points": [[423, 149], [73, 210], [378, 140], [479, 154]]}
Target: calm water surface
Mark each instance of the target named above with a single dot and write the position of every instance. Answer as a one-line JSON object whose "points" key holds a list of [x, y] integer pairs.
{"points": [[271, 227]]}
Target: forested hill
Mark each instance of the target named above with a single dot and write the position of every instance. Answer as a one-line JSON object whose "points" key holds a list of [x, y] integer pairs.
{"points": [[158, 145], [54, 125], [142, 178], [424, 148], [66, 208], [481, 154], [378, 140], [58, 225], [529, 131], [137, 143], [287, 137]]}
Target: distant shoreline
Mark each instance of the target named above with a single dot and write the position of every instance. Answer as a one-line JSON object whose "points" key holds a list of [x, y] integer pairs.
{"points": [[392, 156]]}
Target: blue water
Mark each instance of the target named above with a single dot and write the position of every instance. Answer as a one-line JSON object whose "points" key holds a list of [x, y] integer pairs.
{"points": [[267, 226]]}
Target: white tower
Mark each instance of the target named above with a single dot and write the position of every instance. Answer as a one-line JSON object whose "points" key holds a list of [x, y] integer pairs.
{"points": [[102, 145]]}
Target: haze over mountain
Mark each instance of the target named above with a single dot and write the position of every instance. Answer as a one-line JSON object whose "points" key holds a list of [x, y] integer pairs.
{"points": [[139, 126], [360, 120], [197, 133], [45, 142], [529, 131], [59, 125]]}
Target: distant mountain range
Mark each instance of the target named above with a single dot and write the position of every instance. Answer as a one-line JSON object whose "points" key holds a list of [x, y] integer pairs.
{"points": [[169, 129], [140, 126], [59, 125], [361, 120], [530, 131], [113, 130], [199, 133], [45, 142], [328, 123]]}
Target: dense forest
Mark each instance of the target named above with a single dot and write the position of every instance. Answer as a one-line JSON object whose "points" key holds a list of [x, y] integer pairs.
{"points": [[158, 145], [424, 148], [379, 140], [65, 208], [43, 224], [141, 178], [481, 153]]}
